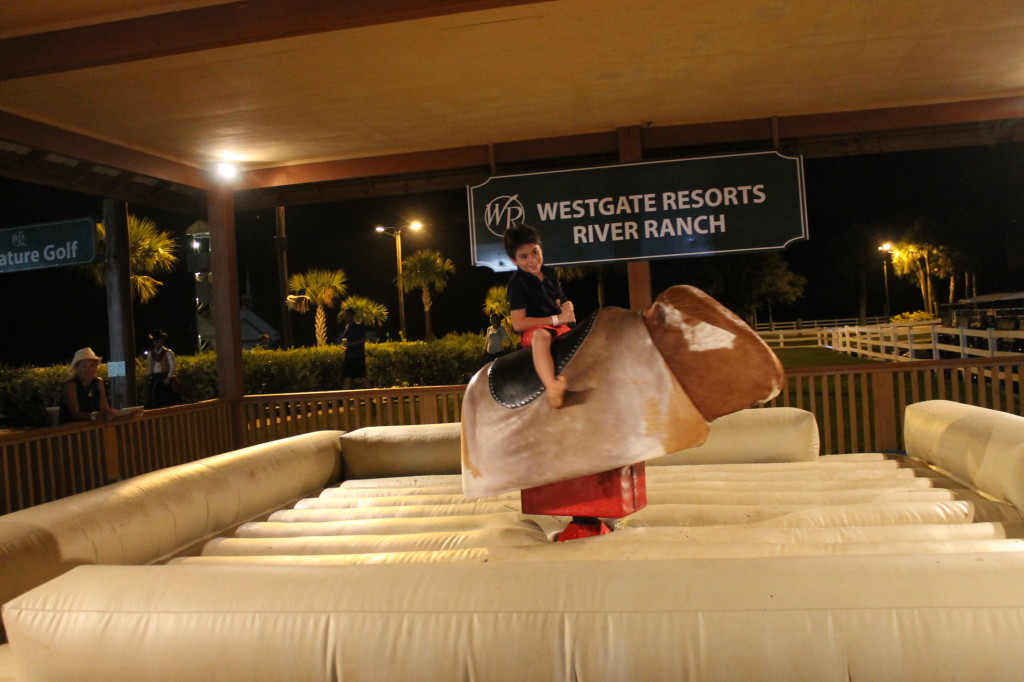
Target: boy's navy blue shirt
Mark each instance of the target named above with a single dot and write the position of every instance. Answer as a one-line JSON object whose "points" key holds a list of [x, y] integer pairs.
{"points": [[539, 298]]}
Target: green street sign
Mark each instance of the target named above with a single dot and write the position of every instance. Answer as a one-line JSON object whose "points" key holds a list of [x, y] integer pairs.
{"points": [[644, 211], [47, 245]]}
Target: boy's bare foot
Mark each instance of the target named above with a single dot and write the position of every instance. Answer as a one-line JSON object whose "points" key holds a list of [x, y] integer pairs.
{"points": [[556, 392]]}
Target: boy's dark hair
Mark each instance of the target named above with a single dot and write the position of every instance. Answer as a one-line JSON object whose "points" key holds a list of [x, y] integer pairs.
{"points": [[517, 235]]}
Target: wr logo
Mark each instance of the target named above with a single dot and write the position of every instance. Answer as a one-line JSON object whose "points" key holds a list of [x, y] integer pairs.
{"points": [[501, 212]]}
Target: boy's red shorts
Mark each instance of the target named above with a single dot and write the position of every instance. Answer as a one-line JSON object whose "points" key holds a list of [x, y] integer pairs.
{"points": [[527, 338]]}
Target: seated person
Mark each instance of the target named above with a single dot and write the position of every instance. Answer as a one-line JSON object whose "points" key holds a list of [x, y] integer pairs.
{"points": [[83, 396]]}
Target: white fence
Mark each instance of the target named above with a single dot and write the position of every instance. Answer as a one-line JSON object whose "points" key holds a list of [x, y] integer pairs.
{"points": [[792, 338], [927, 340], [809, 325]]}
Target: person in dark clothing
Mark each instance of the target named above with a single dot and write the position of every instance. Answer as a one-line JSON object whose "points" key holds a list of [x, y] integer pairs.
{"points": [[83, 396], [162, 370], [538, 307], [353, 339]]}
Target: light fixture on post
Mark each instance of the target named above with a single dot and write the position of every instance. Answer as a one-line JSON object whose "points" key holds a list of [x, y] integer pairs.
{"points": [[886, 249], [396, 232]]}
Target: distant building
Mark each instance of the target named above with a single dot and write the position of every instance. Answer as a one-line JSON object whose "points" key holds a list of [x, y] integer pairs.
{"points": [[253, 326]]}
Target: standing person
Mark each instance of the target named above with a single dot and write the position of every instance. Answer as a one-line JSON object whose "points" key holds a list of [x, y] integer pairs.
{"points": [[496, 339], [353, 339], [539, 309], [161, 369], [83, 397]]}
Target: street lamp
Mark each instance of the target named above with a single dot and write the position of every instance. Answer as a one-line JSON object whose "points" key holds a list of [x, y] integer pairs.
{"points": [[886, 249], [396, 232]]}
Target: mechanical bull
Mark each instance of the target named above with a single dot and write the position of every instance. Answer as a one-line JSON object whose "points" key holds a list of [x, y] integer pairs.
{"points": [[641, 385]]}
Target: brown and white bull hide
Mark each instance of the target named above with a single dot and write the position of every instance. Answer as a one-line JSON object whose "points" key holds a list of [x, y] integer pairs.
{"points": [[625, 401], [722, 364], [623, 406]]}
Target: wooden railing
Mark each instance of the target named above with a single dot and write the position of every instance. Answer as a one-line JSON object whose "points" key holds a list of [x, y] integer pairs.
{"points": [[39, 465], [270, 417], [858, 408]]}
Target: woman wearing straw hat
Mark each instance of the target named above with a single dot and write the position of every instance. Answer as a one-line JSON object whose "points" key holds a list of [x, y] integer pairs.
{"points": [[83, 397], [161, 367]]}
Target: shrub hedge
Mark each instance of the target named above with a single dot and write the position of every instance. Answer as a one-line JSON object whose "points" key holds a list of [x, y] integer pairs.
{"points": [[25, 392]]}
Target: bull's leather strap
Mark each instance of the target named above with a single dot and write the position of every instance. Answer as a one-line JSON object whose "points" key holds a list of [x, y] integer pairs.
{"points": [[512, 378]]}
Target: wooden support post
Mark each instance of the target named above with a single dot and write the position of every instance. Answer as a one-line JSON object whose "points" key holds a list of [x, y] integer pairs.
{"points": [[111, 456], [638, 272], [638, 275], [428, 408], [885, 418], [120, 319], [227, 319]]}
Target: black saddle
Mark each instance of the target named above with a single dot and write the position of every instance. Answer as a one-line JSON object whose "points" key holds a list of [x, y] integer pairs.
{"points": [[512, 378]]}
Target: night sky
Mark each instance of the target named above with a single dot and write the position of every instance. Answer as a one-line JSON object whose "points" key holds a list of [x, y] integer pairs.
{"points": [[969, 199]]}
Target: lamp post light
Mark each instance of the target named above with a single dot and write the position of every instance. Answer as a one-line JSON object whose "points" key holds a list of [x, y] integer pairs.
{"points": [[886, 249], [396, 232]]}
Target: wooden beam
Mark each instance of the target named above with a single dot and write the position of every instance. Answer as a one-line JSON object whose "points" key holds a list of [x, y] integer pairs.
{"points": [[691, 136], [590, 144], [31, 159], [211, 27], [176, 201], [349, 169], [843, 133], [30, 133], [358, 188], [896, 118]]}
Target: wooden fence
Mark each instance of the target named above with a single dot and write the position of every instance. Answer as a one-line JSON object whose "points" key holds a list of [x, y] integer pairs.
{"points": [[816, 324], [270, 417], [922, 340], [39, 465], [792, 338], [858, 408]]}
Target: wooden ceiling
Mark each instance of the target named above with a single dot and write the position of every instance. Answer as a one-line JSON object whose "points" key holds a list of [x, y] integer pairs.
{"points": [[317, 100]]}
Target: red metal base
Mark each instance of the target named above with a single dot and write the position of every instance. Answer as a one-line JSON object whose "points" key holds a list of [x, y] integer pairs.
{"points": [[583, 527], [609, 494]]}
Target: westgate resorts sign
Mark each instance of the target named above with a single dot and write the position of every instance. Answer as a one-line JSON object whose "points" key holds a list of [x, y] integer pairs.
{"points": [[645, 211], [47, 245]]}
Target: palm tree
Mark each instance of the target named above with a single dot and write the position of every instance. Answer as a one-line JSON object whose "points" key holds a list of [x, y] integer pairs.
{"points": [[921, 261], [496, 303], [320, 288], [151, 252], [426, 269], [367, 312]]}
